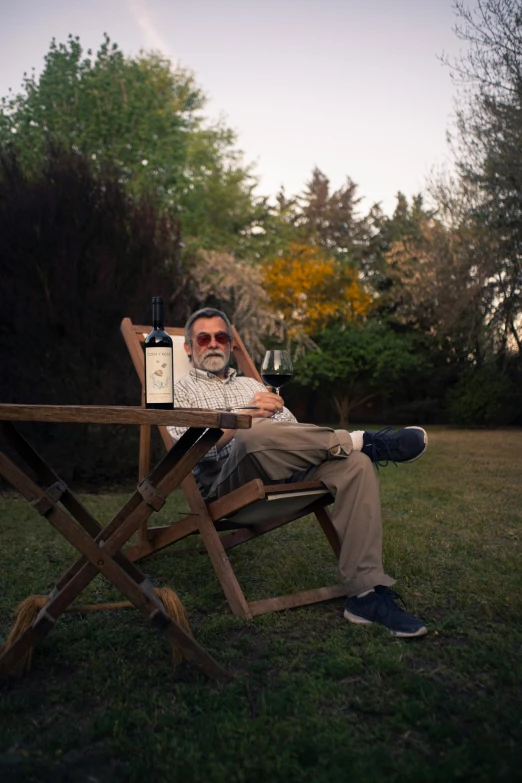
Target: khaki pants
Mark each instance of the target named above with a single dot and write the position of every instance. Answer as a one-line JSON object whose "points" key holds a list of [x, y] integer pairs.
{"points": [[287, 451]]}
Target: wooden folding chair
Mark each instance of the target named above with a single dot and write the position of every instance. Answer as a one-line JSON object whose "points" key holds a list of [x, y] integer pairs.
{"points": [[246, 513]]}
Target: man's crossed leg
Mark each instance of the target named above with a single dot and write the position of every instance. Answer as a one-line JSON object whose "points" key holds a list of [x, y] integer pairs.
{"points": [[288, 451]]}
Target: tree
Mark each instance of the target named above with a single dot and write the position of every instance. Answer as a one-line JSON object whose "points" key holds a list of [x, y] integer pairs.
{"points": [[274, 227], [309, 289], [128, 113], [470, 310], [355, 363], [144, 118], [488, 147], [217, 203], [330, 220], [430, 282], [404, 226], [316, 217]]}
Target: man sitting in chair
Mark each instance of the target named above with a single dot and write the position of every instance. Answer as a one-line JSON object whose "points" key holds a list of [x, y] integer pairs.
{"points": [[285, 450]]}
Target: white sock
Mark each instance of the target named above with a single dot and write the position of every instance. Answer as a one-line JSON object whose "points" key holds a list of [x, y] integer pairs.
{"points": [[357, 439], [366, 592]]}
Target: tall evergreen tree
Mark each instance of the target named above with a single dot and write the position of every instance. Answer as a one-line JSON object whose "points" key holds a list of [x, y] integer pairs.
{"points": [[331, 219]]}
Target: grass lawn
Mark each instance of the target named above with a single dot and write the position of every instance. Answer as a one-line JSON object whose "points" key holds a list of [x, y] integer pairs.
{"points": [[315, 699]]}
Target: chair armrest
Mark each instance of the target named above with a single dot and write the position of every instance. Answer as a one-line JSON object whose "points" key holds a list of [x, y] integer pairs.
{"points": [[300, 486], [239, 498]]}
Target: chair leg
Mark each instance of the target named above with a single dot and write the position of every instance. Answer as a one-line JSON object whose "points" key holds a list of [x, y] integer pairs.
{"points": [[144, 470], [222, 567]]}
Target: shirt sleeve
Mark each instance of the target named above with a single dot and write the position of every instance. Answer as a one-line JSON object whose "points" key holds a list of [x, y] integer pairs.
{"points": [[183, 399]]}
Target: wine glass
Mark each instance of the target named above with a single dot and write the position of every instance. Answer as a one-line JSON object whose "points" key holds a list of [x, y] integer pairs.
{"points": [[276, 370]]}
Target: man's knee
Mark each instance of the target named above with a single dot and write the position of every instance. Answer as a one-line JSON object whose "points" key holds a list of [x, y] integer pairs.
{"points": [[361, 467], [354, 467], [362, 461], [298, 446]]}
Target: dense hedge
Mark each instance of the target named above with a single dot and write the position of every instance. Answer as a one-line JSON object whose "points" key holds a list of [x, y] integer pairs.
{"points": [[487, 396], [77, 254]]}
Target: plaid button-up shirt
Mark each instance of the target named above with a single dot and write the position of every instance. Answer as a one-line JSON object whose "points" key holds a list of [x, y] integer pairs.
{"points": [[202, 389]]}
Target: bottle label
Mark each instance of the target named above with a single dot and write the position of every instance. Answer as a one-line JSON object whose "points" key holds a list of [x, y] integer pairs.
{"points": [[158, 371]]}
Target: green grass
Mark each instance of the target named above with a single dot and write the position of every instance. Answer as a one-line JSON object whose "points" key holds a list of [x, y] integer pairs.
{"points": [[314, 698]]}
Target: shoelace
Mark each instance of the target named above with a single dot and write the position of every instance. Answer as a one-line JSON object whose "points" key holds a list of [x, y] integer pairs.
{"points": [[390, 597], [378, 442]]}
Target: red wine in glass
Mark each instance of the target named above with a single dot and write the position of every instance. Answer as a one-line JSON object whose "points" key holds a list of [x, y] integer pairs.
{"points": [[275, 380], [276, 370]]}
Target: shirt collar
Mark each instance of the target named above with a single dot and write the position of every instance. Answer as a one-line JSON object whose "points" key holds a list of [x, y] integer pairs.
{"points": [[230, 373]]}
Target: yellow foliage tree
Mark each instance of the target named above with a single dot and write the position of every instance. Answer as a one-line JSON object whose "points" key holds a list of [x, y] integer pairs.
{"points": [[309, 289]]}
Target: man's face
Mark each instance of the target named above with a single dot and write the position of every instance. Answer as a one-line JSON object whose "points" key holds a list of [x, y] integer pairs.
{"points": [[211, 354]]}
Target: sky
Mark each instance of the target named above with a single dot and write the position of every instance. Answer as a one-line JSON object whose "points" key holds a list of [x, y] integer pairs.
{"points": [[354, 87]]}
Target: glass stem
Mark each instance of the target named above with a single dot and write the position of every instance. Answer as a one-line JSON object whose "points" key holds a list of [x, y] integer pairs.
{"points": [[277, 415]]}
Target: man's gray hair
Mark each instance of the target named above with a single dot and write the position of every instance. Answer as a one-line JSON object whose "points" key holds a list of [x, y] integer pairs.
{"points": [[206, 312]]}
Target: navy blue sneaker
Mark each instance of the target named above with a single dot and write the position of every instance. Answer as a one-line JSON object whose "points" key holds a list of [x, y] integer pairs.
{"points": [[379, 607], [389, 445]]}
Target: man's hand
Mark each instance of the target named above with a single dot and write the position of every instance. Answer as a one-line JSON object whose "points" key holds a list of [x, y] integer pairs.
{"points": [[267, 403]]}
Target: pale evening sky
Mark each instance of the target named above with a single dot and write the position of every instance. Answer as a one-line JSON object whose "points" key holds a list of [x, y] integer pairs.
{"points": [[351, 86]]}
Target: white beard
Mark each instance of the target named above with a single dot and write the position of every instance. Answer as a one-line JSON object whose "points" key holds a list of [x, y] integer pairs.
{"points": [[214, 362]]}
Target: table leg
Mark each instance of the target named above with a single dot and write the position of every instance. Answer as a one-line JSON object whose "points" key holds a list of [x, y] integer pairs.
{"points": [[104, 551], [83, 516]]}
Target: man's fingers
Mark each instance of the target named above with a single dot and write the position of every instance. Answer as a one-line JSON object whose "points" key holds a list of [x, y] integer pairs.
{"points": [[267, 400]]}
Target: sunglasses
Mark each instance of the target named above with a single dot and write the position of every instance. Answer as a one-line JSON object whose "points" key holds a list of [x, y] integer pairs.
{"points": [[205, 339]]}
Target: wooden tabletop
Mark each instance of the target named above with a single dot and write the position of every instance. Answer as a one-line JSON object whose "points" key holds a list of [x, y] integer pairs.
{"points": [[115, 414]]}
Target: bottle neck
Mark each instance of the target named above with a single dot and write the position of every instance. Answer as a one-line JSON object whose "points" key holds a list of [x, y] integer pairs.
{"points": [[157, 315]]}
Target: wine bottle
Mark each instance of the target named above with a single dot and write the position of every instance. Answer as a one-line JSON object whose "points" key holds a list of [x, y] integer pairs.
{"points": [[159, 365]]}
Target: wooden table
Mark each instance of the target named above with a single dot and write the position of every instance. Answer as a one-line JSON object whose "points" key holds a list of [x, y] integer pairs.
{"points": [[100, 549]]}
